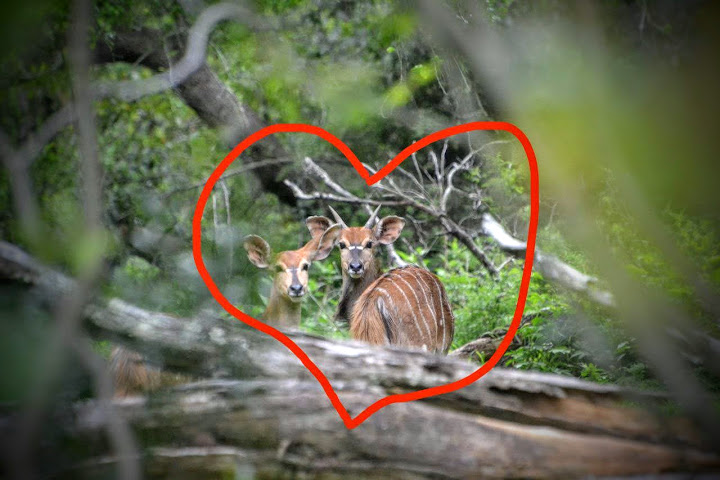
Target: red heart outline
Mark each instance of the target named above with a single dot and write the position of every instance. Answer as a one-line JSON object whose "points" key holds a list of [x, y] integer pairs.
{"points": [[350, 422]]}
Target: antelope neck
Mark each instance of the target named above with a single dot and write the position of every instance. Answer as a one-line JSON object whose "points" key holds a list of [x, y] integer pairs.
{"points": [[352, 288], [282, 312]]}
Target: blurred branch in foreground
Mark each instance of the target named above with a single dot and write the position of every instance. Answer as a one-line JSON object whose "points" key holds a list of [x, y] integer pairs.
{"points": [[611, 127], [67, 335]]}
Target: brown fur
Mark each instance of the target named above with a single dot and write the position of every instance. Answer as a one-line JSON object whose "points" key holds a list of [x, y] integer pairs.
{"points": [[352, 288], [406, 307], [130, 373], [368, 324], [133, 376], [292, 268]]}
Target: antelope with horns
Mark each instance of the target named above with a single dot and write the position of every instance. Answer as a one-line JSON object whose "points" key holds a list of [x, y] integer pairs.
{"points": [[290, 272], [406, 306]]}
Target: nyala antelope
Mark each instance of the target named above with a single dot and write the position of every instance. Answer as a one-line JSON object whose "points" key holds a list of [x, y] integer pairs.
{"points": [[406, 306], [291, 267], [132, 375]]}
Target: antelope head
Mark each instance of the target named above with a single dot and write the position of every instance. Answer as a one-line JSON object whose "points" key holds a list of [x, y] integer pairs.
{"points": [[290, 268], [357, 244]]}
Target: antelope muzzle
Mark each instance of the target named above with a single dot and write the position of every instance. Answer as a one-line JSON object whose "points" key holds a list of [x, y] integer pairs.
{"points": [[356, 268], [296, 290]]}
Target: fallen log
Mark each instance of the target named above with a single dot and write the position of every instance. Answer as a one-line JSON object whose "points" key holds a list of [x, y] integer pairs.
{"points": [[263, 414]]}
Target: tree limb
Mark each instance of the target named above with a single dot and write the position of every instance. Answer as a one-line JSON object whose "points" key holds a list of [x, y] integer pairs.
{"points": [[195, 82], [553, 269]]}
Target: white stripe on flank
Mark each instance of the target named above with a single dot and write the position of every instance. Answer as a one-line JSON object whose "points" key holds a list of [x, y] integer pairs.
{"points": [[409, 309], [444, 300], [419, 279], [388, 299], [427, 326]]}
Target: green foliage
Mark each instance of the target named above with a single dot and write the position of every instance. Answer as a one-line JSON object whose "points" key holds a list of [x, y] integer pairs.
{"points": [[324, 293], [480, 303], [349, 67], [694, 236]]}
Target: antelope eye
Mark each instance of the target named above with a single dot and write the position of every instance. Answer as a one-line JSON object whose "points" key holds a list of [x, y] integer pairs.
{"points": [[342, 245], [279, 268], [368, 245], [306, 266]]}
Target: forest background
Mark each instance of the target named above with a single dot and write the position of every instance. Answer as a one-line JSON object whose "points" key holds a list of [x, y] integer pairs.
{"points": [[619, 99]]}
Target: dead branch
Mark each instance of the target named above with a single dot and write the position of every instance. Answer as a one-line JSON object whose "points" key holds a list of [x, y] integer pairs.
{"points": [[488, 342], [398, 198], [552, 268]]}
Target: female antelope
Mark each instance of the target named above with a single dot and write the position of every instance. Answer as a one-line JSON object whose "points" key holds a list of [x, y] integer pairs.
{"points": [[407, 306], [128, 368], [291, 273]]}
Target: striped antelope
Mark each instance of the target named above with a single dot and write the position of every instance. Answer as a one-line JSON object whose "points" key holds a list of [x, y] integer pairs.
{"points": [[290, 272], [406, 306]]}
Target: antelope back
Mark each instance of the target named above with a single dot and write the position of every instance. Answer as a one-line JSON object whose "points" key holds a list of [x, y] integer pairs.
{"points": [[406, 307]]}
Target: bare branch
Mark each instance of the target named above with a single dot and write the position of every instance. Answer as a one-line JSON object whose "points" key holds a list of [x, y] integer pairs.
{"points": [[443, 160], [552, 268], [231, 173], [325, 177], [133, 90], [346, 197], [436, 165], [73, 302], [464, 237], [302, 195]]}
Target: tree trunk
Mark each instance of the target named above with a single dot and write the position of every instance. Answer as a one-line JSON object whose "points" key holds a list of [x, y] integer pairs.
{"points": [[215, 104], [264, 415]]}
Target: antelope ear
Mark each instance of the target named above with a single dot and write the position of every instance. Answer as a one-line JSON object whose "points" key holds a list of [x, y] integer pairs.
{"points": [[258, 251], [317, 226], [388, 229], [327, 242]]}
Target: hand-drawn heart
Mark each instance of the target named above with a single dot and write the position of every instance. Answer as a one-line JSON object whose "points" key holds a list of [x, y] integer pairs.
{"points": [[349, 421]]}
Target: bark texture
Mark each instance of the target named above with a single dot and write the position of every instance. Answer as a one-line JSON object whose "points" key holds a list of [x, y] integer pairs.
{"points": [[262, 414], [212, 100]]}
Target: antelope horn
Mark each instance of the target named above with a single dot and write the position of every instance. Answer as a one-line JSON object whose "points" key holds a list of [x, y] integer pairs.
{"points": [[337, 217], [371, 220]]}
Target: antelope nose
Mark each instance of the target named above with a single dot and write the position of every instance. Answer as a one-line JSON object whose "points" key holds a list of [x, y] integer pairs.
{"points": [[355, 266], [296, 290]]}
